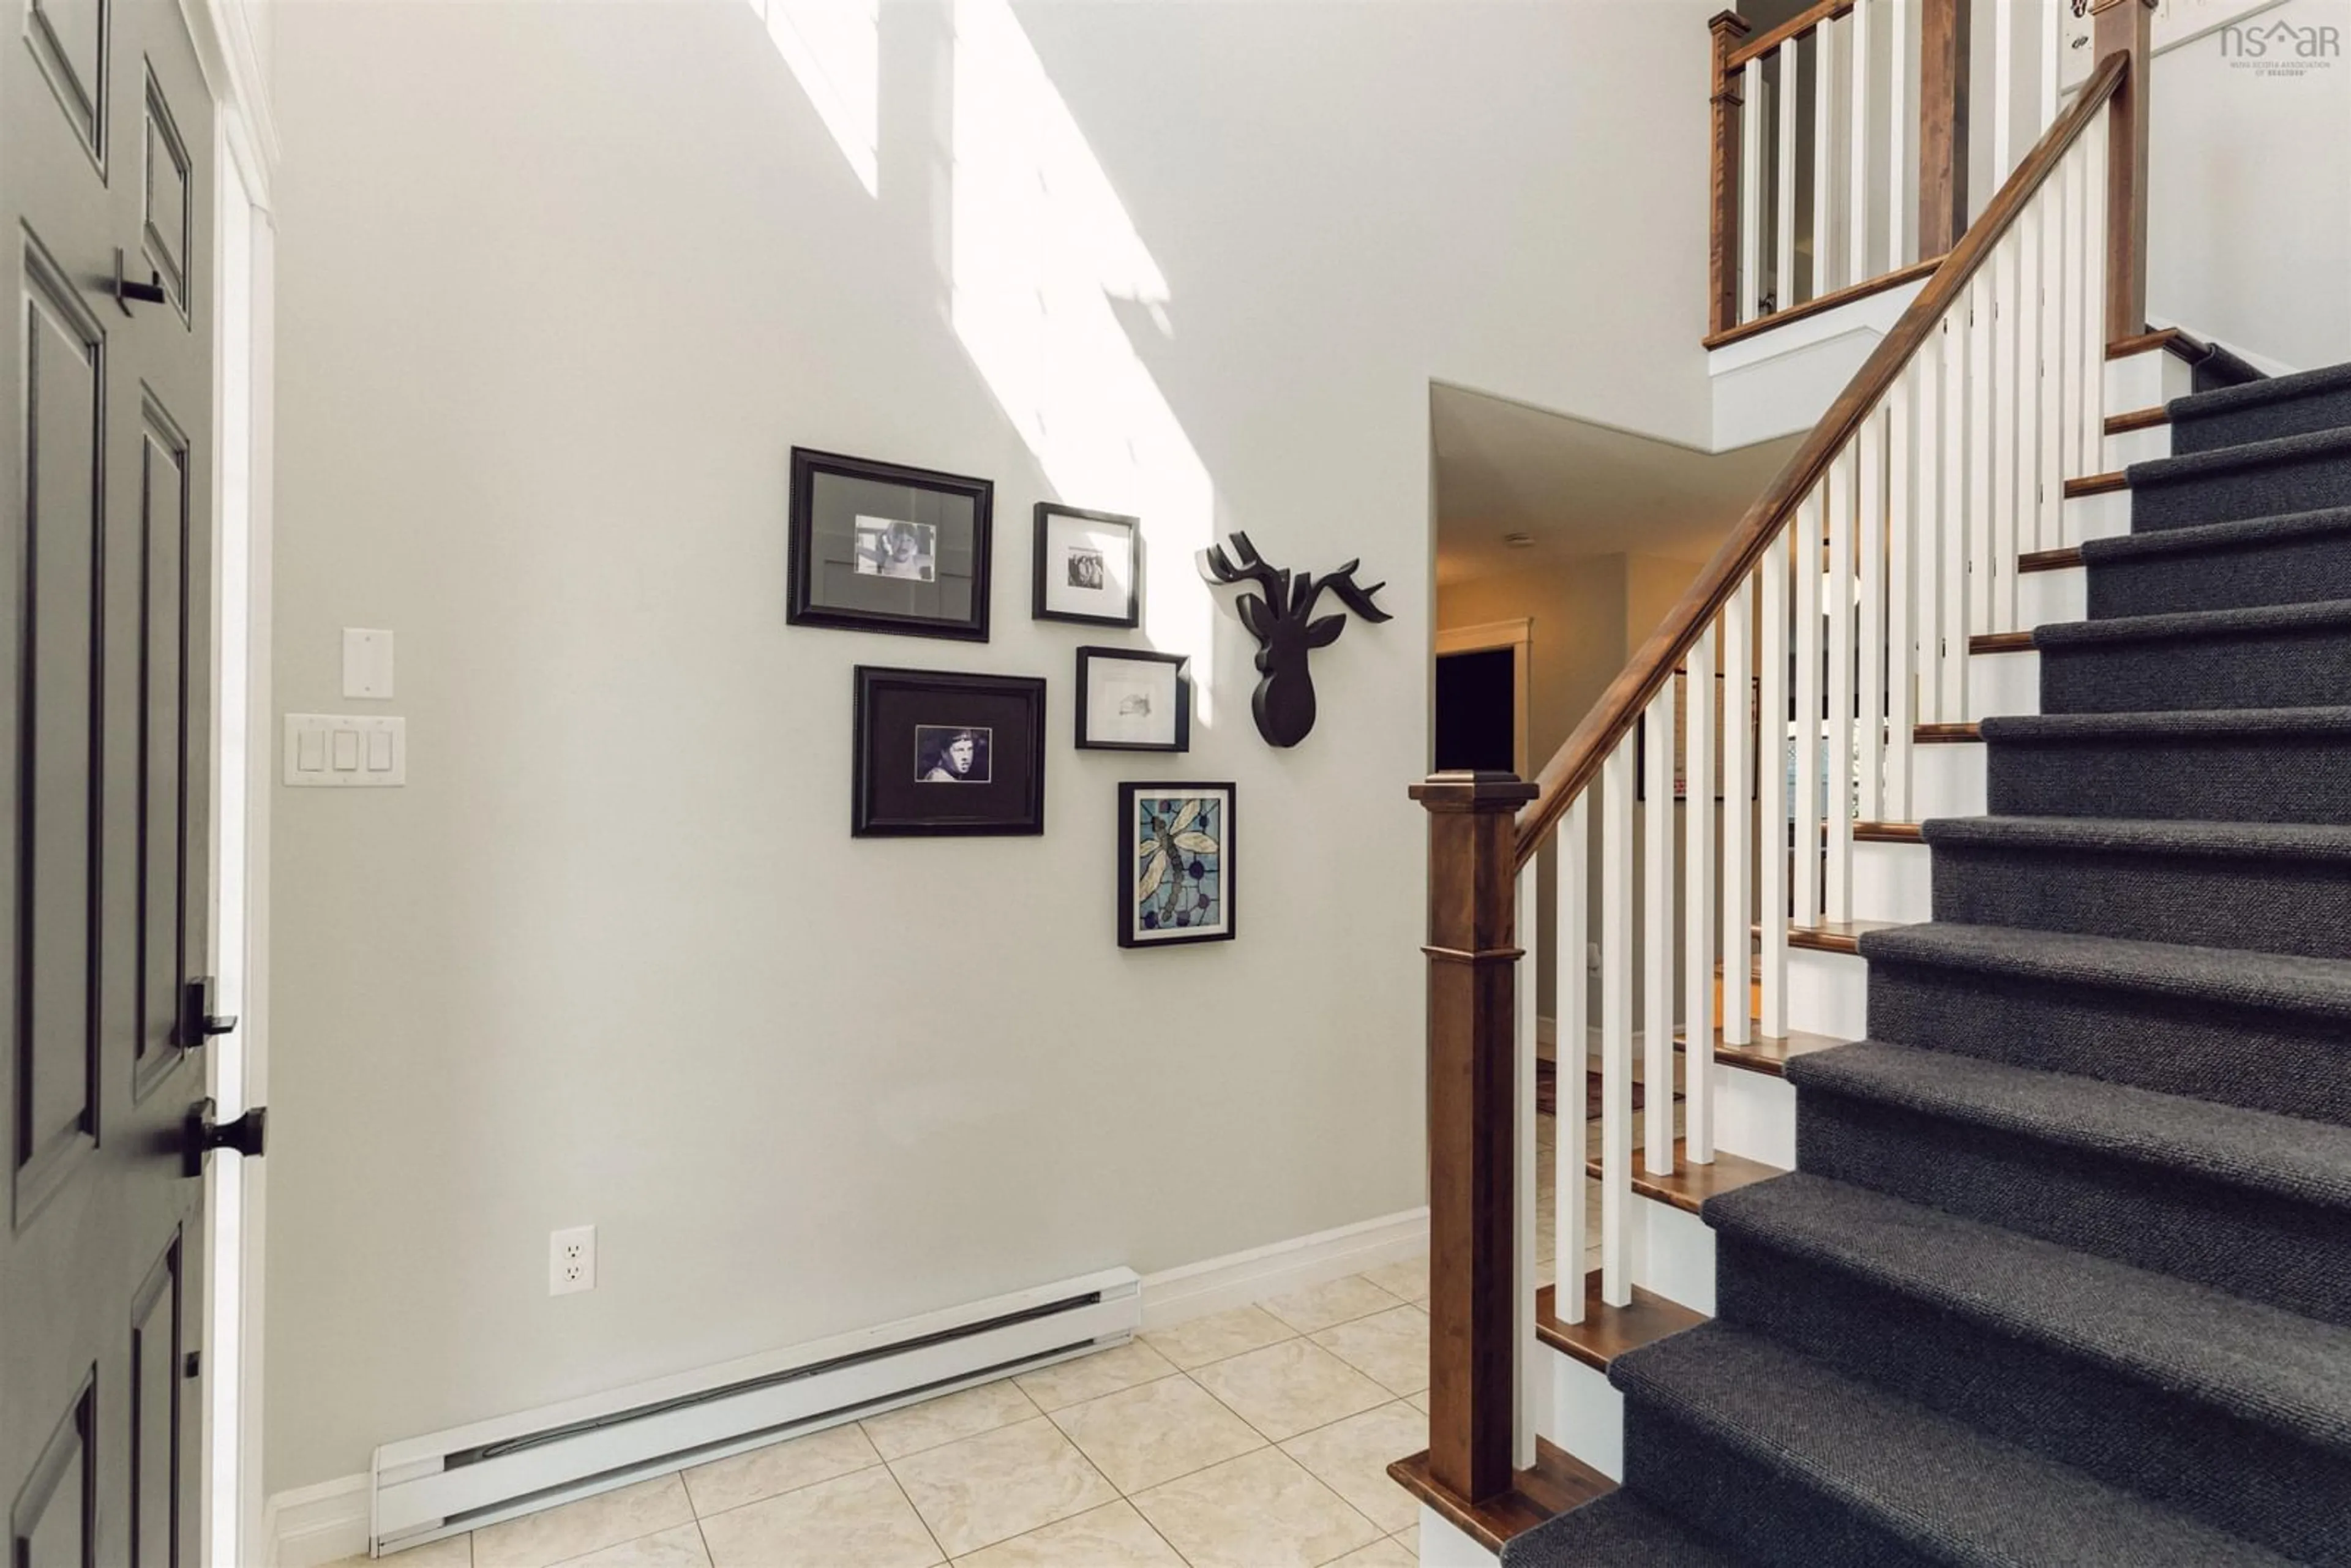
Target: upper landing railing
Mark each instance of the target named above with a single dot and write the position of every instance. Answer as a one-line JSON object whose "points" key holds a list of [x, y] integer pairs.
{"points": [[1841, 147], [1839, 614]]}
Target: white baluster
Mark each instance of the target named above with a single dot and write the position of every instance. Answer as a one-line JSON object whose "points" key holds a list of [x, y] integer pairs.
{"points": [[1524, 1267], [1750, 189], [2004, 87], [2001, 583], [1738, 808], [2076, 199], [1806, 848], [1616, 1024], [1856, 192], [2051, 210], [1824, 79], [1697, 911], [1980, 457], [1572, 1054], [1953, 518], [1836, 611], [1928, 499], [1658, 931], [2024, 385], [1783, 235], [2093, 377], [1871, 651], [1901, 627], [1898, 200], [1771, 900]]}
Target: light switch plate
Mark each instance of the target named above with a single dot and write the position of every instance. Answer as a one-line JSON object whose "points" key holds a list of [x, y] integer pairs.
{"points": [[345, 751], [367, 663]]}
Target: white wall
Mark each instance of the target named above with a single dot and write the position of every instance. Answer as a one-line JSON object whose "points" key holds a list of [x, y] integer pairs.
{"points": [[2248, 202], [560, 285]]}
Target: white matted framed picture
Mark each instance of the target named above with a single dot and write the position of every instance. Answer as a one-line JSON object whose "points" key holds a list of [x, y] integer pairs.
{"points": [[1089, 567], [1133, 700], [1174, 864]]}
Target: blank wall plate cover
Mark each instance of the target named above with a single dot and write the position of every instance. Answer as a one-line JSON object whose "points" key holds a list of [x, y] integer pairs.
{"points": [[367, 663], [345, 751]]}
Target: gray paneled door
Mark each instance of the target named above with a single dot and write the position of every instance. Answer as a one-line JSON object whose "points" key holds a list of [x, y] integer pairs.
{"points": [[106, 150]]}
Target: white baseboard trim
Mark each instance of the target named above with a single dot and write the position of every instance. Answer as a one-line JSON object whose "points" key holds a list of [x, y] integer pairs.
{"points": [[1218, 1284], [315, 1525], [318, 1524]]}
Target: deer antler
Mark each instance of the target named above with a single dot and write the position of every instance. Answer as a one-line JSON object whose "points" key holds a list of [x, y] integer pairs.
{"points": [[1218, 568], [1359, 599]]}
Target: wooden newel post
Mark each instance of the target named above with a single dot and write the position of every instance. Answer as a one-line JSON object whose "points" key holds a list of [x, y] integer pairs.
{"points": [[1722, 255], [1472, 1077], [1943, 49], [2123, 26]]}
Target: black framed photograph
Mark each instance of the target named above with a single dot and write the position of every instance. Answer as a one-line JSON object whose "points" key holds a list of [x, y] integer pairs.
{"points": [[1133, 700], [878, 547], [1089, 567], [1174, 864], [942, 752]]}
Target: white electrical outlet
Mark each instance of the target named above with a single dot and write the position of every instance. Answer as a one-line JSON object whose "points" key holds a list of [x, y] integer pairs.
{"points": [[571, 1261]]}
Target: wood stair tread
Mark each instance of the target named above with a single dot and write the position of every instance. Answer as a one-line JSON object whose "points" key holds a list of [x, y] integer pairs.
{"points": [[1688, 1186], [2138, 419], [1836, 935], [1558, 1482], [1889, 833], [1606, 1331], [2062, 559], [2096, 484], [1946, 734], [1763, 1053], [2000, 643]]}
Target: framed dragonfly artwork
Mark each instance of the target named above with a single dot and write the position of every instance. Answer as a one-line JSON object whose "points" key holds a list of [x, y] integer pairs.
{"points": [[1174, 864]]}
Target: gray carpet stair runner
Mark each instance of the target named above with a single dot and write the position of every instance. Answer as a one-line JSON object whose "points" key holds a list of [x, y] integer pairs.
{"points": [[2064, 1275]]}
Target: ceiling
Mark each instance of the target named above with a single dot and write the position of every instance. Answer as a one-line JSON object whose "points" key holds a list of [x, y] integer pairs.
{"points": [[1578, 487]]}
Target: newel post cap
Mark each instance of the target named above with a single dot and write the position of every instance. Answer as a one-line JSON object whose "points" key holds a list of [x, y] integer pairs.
{"points": [[1729, 21], [1467, 791]]}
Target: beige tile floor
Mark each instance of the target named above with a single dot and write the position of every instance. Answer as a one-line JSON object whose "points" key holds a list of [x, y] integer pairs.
{"points": [[1254, 1438]]}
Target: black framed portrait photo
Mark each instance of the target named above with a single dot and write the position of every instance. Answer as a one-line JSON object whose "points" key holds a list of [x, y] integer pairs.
{"points": [[878, 547], [1131, 699], [1089, 567], [942, 752]]}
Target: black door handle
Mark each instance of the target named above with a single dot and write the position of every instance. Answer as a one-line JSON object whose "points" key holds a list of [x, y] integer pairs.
{"points": [[125, 291], [246, 1135], [198, 1022]]}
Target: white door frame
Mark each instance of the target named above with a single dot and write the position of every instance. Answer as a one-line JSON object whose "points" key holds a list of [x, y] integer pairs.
{"points": [[1519, 637], [244, 293]]}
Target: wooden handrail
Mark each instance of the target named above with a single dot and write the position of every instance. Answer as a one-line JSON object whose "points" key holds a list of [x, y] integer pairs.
{"points": [[1795, 26], [1577, 760]]}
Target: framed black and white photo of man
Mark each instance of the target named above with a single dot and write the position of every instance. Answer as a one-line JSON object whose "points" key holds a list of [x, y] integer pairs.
{"points": [[1089, 567], [878, 547], [942, 752]]}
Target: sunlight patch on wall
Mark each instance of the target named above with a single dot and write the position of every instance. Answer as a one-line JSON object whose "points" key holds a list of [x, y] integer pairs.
{"points": [[833, 48], [1042, 248]]}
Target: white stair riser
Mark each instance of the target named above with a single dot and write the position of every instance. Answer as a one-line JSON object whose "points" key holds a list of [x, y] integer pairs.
{"points": [[1673, 1254], [1444, 1545], [2143, 381], [1890, 882], [1828, 993], [1754, 1115], [2043, 597], [1947, 781], [2100, 517], [2132, 446], [1579, 1410], [2003, 683]]}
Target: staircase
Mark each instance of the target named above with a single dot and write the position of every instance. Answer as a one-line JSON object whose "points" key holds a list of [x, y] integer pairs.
{"points": [[2064, 1275]]}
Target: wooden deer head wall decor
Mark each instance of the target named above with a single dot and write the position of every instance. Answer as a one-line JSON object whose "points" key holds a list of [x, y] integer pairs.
{"points": [[1284, 703]]}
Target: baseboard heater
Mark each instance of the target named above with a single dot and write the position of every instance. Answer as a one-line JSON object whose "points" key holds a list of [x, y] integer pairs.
{"points": [[478, 1475]]}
